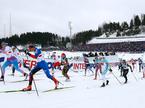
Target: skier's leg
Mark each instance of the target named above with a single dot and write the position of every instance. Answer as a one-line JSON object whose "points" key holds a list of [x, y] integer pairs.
{"points": [[7, 63], [96, 72], [33, 71], [86, 69], [103, 80], [44, 66], [13, 70], [25, 66], [64, 72], [16, 66], [121, 72], [125, 72]]}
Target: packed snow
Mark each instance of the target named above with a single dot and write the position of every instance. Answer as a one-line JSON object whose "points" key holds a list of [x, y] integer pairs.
{"points": [[84, 92]]}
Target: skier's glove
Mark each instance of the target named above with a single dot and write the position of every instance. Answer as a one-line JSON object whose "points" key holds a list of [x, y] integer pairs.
{"points": [[25, 51], [110, 70]]}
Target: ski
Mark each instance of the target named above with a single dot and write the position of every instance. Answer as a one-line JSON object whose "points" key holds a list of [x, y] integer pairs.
{"points": [[22, 81], [60, 88], [14, 91], [18, 81], [11, 75]]}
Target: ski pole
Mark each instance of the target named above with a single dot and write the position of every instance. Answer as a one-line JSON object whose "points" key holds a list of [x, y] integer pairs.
{"points": [[35, 87], [116, 77], [2, 73], [134, 76]]}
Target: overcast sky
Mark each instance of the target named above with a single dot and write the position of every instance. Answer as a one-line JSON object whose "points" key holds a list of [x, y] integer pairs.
{"points": [[54, 15]]}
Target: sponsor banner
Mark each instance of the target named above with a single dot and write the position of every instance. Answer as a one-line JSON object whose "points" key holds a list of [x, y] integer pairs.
{"points": [[75, 66], [78, 62]]}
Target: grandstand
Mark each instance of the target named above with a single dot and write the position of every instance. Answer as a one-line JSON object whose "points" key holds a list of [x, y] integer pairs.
{"points": [[115, 44]]}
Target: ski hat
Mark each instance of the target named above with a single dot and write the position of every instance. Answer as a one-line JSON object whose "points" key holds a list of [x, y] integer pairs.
{"points": [[13, 48], [63, 55], [31, 46], [124, 61]]}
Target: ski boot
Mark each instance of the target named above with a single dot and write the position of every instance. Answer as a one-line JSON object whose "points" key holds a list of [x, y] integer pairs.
{"points": [[125, 82], [56, 82], [13, 74], [28, 88], [2, 78], [95, 78], [103, 85], [67, 80], [107, 82]]}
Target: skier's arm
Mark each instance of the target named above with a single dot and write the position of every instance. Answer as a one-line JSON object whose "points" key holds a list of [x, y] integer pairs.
{"points": [[31, 55], [119, 66], [110, 68], [66, 61], [130, 67]]}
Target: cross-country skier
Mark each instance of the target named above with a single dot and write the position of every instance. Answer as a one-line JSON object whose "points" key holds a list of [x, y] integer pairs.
{"points": [[105, 69], [125, 68], [41, 64], [120, 68], [140, 63], [19, 58], [65, 63], [143, 69], [53, 56], [87, 64], [143, 65], [133, 62], [10, 60], [56, 62], [97, 66]]}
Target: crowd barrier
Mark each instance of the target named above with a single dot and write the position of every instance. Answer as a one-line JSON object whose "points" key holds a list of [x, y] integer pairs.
{"points": [[77, 63]]}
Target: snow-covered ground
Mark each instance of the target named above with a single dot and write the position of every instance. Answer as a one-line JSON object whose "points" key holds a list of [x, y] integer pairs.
{"points": [[85, 92]]}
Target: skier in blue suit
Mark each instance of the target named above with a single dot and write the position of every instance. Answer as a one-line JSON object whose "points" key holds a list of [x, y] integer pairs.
{"points": [[10, 60], [41, 64], [105, 68]]}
